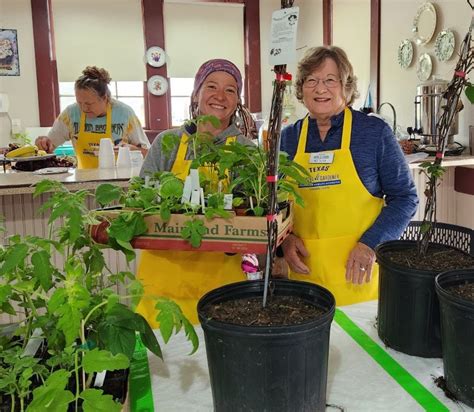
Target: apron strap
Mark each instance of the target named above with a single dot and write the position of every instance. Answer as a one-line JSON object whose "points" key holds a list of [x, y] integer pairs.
{"points": [[346, 129]]}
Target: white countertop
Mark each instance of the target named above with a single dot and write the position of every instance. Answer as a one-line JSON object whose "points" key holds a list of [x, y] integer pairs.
{"points": [[448, 161], [17, 182]]}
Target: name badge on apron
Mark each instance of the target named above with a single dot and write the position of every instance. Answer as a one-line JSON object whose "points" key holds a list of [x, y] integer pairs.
{"points": [[321, 157]]}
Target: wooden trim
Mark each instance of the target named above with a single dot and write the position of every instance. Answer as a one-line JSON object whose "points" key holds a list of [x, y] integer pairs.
{"points": [[464, 180], [253, 82], [327, 22], [157, 108], [375, 51], [46, 66]]}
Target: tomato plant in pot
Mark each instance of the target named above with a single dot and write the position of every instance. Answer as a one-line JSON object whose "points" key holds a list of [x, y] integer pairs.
{"points": [[73, 326], [408, 310], [267, 342]]}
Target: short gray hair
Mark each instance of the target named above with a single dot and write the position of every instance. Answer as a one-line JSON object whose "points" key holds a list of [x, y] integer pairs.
{"points": [[315, 57]]}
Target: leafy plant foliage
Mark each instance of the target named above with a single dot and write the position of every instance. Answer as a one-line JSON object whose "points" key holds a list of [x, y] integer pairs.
{"points": [[72, 311]]}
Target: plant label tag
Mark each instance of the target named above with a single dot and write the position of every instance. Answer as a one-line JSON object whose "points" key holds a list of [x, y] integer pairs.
{"points": [[195, 197], [282, 48], [186, 197], [33, 343], [194, 179], [228, 198], [203, 203], [321, 157], [99, 379]]}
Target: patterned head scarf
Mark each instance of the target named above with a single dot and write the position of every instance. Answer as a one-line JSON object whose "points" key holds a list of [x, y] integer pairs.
{"points": [[217, 65]]}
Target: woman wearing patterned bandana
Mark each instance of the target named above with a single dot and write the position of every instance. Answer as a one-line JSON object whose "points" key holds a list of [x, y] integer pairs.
{"points": [[186, 276]]}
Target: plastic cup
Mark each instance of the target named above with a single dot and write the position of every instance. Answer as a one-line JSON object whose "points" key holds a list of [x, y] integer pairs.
{"points": [[106, 154], [124, 158], [136, 158]]}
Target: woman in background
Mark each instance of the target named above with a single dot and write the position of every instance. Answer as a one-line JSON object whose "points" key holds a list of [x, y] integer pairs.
{"points": [[186, 276], [94, 116]]}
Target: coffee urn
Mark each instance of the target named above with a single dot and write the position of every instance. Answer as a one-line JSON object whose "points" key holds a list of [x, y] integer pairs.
{"points": [[428, 109]]}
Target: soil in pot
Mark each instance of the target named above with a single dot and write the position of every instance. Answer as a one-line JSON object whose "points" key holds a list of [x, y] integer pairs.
{"points": [[279, 310], [438, 258], [464, 291]]}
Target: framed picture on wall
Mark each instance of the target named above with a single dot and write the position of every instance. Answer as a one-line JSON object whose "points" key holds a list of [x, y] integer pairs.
{"points": [[9, 61]]}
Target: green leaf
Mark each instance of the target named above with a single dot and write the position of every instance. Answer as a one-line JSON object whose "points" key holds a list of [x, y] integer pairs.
{"points": [[107, 193], [100, 360], [147, 335], [170, 317], [117, 330], [42, 269], [14, 257], [52, 396], [171, 188], [470, 93], [425, 227], [209, 119], [96, 401]]}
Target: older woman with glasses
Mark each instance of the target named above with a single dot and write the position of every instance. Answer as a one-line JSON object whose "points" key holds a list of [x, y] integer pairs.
{"points": [[361, 191]]}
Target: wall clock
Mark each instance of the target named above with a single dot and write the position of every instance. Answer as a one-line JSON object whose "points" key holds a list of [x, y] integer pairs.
{"points": [[444, 45]]}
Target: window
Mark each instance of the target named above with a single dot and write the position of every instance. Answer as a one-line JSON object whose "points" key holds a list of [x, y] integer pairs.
{"points": [[130, 93], [180, 89]]}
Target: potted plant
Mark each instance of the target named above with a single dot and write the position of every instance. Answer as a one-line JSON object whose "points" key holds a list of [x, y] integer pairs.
{"points": [[73, 325], [408, 311], [234, 170], [455, 290]]}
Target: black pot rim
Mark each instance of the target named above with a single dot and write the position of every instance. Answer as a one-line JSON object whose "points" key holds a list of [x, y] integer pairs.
{"points": [[264, 330], [392, 244], [457, 276]]}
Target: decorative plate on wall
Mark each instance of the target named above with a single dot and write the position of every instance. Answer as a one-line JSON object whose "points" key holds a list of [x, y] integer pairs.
{"points": [[424, 67], [155, 56], [424, 23], [405, 53], [157, 85], [444, 45]]}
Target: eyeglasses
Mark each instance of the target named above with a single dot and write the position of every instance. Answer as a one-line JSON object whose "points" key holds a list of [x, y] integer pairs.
{"points": [[311, 83]]}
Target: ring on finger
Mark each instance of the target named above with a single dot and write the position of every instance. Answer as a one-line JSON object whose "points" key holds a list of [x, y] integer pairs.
{"points": [[362, 268]]}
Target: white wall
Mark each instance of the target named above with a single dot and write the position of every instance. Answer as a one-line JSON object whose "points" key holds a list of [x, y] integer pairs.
{"points": [[22, 90], [354, 39], [398, 86], [310, 34], [105, 33]]}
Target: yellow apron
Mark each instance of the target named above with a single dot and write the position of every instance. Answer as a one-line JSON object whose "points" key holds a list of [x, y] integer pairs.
{"points": [[338, 210], [183, 276], [87, 144]]}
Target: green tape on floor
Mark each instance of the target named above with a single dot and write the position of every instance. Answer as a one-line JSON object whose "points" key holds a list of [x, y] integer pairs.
{"points": [[141, 396], [422, 395]]}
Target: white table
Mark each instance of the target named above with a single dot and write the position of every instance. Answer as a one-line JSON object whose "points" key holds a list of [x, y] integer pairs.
{"points": [[355, 381]]}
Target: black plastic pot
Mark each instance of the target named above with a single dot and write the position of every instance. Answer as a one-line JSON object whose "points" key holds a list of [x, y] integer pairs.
{"points": [[262, 368], [408, 308], [457, 332]]}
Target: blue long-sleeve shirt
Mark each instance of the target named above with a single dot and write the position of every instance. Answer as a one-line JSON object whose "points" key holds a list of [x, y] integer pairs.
{"points": [[379, 162]]}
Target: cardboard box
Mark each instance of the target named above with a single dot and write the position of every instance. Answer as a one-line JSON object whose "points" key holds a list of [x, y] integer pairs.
{"points": [[238, 234]]}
